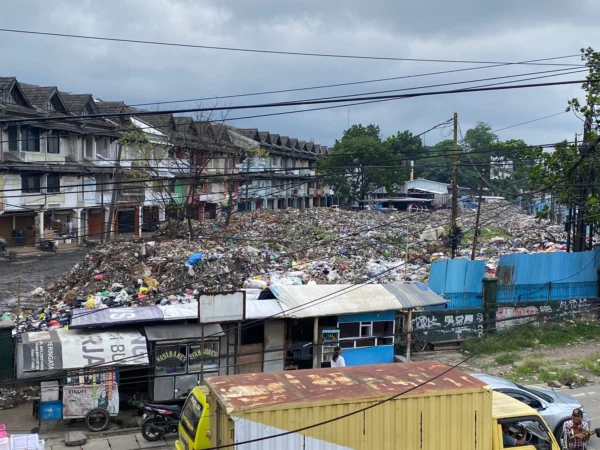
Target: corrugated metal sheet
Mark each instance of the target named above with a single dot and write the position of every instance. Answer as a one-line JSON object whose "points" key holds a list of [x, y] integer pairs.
{"points": [[339, 299], [421, 184], [452, 412], [261, 309], [415, 295], [459, 281], [457, 275], [240, 392], [548, 267]]}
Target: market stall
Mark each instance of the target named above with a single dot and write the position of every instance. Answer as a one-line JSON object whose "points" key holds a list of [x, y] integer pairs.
{"points": [[81, 371]]}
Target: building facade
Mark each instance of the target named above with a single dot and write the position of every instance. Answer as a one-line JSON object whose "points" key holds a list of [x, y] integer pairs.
{"points": [[86, 179]]}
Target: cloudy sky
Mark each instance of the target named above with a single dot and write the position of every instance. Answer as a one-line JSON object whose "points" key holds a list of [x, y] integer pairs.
{"points": [[482, 30]]}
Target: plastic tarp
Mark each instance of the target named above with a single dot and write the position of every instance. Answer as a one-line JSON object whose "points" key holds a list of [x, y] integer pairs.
{"points": [[109, 317]]}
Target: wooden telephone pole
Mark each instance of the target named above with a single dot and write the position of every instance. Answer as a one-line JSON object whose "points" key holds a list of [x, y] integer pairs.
{"points": [[453, 227], [473, 251]]}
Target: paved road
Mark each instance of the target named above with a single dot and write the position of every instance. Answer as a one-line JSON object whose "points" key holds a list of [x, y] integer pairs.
{"points": [[37, 271], [590, 399], [125, 442]]}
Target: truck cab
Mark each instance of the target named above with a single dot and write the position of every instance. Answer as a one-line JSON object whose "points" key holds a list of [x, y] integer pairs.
{"points": [[512, 415], [194, 424]]}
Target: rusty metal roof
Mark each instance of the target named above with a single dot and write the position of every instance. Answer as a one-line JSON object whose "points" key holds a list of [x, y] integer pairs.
{"points": [[241, 392], [338, 299]]}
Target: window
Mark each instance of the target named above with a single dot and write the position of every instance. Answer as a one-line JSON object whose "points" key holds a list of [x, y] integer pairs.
{"points": [[53, 142], [190, 416], [366, 334], [30, 139], [13, 97], [30, 183], [209, 359], [366, 329], [53, 183], [54, 104], [13, 139]]}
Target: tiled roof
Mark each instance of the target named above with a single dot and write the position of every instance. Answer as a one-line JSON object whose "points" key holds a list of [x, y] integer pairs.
{"points": [[7, 82], [160, 121], [285, 141], [10, 83], [275, 139], [109, 107], [294, 143], [265, 137], [38, 95], [220, 133], [76, 102], [250, 133]]}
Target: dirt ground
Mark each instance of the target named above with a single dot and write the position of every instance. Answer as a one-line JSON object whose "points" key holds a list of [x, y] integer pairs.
{"points": [[562, 357], [34, 272]]}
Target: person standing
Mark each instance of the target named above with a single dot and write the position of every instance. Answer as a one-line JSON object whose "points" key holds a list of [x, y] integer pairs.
{"points": [[576, 431], [337, 360]]}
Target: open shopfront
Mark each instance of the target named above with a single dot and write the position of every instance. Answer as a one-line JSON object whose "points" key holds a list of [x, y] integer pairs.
{"points": [[183, 356]]}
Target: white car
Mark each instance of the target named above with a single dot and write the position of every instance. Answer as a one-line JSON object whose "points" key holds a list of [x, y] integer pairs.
{"points": [[554, 407]]}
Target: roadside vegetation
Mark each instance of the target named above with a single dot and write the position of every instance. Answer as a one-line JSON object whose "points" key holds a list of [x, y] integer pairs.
{"points": [[531, 336]]}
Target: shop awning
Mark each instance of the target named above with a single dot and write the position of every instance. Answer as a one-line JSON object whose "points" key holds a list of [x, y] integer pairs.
{"points": [[77, 349], [179, 332]]}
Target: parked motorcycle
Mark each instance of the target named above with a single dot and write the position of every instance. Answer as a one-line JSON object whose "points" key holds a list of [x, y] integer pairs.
{"points": [[159, 420]]}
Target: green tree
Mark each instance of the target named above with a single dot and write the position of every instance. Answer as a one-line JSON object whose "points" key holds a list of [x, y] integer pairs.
{"points": [[569, 173], [437, 166], [360, 163], [404, 143]]}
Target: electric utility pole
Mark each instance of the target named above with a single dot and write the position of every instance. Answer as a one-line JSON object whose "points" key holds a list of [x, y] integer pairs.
{"points": [[453, 227], [473, 251]]}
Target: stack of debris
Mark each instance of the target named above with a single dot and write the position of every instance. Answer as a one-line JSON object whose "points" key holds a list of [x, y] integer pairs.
{"points": [[322, 246]]}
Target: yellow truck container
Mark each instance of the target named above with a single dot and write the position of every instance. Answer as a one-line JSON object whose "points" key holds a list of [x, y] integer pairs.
{"points": [[438, 409]]}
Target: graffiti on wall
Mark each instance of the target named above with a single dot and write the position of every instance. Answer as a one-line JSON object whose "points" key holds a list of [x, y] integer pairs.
{"points": [[522, 314], [451, 324]]}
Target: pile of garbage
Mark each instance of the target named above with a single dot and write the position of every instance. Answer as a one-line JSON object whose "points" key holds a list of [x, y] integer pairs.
{"points": [[13, 397], [265, 247]]}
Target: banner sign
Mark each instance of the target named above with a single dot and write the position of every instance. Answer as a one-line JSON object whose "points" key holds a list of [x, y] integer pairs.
{"points": [[73, 349], [79, 400]]}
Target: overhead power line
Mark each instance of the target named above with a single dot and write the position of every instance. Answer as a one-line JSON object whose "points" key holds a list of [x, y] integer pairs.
{"points": [[294, 103], [529, 121], [280, 52], [325, 86]]}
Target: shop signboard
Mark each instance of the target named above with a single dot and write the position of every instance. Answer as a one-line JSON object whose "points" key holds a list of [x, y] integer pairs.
{"points": [[219, 307]]}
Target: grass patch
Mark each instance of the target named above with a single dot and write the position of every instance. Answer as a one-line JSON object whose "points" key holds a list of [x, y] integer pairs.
{"points": [[591, 364], [530, 336], [539, 371], [504, 359], [485, 234]]}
